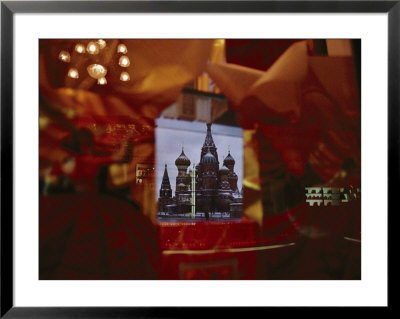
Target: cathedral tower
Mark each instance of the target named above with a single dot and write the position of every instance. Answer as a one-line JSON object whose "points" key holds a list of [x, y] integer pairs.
{"points": [[208, 145], [229, 162], [215, 191], [182, 192], [165, 192]]}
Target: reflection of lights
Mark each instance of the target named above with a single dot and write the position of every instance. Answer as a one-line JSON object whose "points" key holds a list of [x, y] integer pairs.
{"points": [[43, 122], [101, 43], [102, 81], [92, 48], [219, 42], [124, 61], [97, 71], [70, 113], [80, 48], [64, 56], [125, 76], [122, 49], [73, 73]]}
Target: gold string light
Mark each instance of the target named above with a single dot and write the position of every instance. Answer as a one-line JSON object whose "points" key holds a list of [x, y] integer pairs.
{"points": [[92, 48], [124, 61], [80, 48], [64, 56], [124, 76], [97, 71], [73, 73], [102, 44], [122, 49], [102, 81]]}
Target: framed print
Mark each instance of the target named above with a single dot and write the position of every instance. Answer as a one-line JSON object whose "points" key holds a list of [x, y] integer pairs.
{"points": [[161, 155]]}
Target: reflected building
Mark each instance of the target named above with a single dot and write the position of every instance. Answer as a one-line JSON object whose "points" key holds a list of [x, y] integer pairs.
{"points": [[209, 186]]}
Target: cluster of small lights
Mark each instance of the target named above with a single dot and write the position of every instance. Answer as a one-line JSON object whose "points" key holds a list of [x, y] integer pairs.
{"points": [[123, 62], [97, 71]]}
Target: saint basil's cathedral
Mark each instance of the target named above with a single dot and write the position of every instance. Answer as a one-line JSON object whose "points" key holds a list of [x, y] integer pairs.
{"points": [[211, 189]]}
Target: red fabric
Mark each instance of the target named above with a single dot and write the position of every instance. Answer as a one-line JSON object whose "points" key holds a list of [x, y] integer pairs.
{"points": [[216, 242], [302, 243], [85, 236], [87, 166], [207, 235], [256, 53]]}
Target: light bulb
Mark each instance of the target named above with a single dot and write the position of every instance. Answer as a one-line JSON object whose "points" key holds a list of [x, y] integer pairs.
{"points": [[124, 76], [101, 81], [64, 56], [92, 48], [73, 73], [101, 43], [97, 71], [80, 48], [122, 49], [124, 61]]}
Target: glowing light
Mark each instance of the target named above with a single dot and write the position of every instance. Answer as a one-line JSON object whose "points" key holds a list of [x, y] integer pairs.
{"points": [[124, 61], [80, 48], [219, 42], [64, 56], [97, 71], [101, 81], [92, 48], [122, 49], [124, 76], [70, 113], [101, 43], [73, 73], [43, 122]]}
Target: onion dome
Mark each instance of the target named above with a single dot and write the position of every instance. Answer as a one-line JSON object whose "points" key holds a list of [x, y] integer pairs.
{"points": [[229, 160], [182, 160], [224, 170], [208, 158]]}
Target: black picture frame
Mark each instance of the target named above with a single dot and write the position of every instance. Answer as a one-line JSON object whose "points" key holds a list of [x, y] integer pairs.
{"points": [[9, 8]]}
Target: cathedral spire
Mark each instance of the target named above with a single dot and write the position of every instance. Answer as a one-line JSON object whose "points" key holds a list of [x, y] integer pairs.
{"points": [[209, 145], [165, 180], [165, 189], [209, 142]]}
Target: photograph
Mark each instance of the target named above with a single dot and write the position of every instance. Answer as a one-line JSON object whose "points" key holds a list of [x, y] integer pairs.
{"points": [[199, 159], [171, 158]]}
